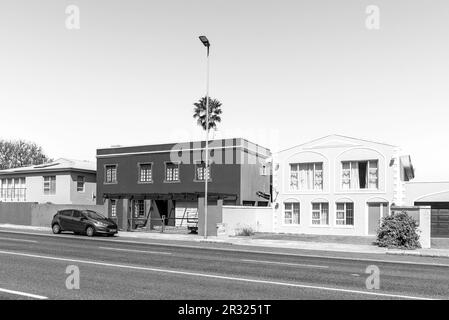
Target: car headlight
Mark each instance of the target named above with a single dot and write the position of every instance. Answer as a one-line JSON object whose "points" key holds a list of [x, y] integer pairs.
{"points": [[100, 224]]}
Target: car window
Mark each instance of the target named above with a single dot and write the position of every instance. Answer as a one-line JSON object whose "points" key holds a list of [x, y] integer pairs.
{"points": [[76, 214], [66, 213], [93, 215]]}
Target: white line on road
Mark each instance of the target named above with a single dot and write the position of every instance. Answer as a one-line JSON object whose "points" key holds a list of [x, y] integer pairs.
{"points": [[132, 250], [286, 263], [19, 240], [213, 276], [24, 294]]}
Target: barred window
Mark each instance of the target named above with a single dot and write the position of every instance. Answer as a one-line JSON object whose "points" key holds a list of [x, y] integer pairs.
{"points": [[145, 172], [201, 172], [111, 173], [113, 208], [171, 171]]}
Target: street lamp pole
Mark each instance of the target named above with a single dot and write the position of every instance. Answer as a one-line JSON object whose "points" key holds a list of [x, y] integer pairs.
{"points": [[206, 43]]}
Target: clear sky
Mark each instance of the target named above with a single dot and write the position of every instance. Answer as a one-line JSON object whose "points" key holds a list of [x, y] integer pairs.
{"points": [[286, 72]]}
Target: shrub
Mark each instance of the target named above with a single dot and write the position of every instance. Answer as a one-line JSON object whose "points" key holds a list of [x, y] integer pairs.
{"points": [[245, 231], [398, 231]]}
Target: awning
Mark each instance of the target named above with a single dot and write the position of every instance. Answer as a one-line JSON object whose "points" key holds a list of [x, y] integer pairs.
{"points": [[192, 196]]}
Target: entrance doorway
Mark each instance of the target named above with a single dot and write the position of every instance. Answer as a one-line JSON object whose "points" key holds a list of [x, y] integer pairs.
{"points": [[376, 211]]}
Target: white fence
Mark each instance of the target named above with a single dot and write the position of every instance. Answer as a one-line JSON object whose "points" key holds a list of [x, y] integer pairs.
{"points": [[235, 218]]}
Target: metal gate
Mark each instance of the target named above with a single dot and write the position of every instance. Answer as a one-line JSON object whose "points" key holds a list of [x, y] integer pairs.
{"points": [[439, 218], [440, 223]]}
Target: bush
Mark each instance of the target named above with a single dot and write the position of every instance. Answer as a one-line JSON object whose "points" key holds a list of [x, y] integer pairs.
{"points": [[398, 231], [245, 231]]}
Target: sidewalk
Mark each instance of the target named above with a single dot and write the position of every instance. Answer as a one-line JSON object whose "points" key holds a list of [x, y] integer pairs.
{"points": [[266, 243]]}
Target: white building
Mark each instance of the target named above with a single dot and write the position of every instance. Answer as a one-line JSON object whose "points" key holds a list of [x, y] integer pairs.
{"points": [[63, 181], [337, 185]]}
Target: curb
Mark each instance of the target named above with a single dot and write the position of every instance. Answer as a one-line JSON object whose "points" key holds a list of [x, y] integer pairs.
{"points": [[417, 254], [214, 241]]}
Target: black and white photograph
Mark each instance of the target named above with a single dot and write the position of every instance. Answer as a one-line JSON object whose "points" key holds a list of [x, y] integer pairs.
{"points": [[223, 157]]}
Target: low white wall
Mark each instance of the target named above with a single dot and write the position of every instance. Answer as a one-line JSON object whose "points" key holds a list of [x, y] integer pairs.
{"points": [[422, 214], [260, 219], [424, 227]]}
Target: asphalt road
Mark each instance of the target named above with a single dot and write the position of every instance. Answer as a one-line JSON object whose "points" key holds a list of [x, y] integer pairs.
{"points": [[34, 267]]}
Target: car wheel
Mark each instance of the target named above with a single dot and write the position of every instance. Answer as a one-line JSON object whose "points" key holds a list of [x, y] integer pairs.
{"points": [[90, 231], [56, 228]]}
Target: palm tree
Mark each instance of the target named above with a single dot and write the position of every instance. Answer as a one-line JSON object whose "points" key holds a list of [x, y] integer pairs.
{"points": [[214, 112]]}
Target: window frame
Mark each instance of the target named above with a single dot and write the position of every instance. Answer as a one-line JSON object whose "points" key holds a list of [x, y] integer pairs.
{"points": [[113, 208], [368, 163], [204, 169], [313, 189], [106, 173], [77, 184], [137, 214], [49, 191], [165, 172], [13, 189], [320, 211], [292, 211], [139, 172], [345, 214]]}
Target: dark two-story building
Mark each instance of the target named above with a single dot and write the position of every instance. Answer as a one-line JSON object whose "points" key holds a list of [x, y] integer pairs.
{"points": [[138, 182]]}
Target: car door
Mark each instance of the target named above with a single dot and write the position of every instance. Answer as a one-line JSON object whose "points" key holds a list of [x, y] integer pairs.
{"points": [[78, 223], [65, 217]]}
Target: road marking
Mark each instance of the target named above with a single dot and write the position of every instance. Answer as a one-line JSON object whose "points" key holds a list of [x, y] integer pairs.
{"points": [[138, 251], [285, 263], [24, 294], [213, 276], [355, 274], [236, 250], [19, 240]]}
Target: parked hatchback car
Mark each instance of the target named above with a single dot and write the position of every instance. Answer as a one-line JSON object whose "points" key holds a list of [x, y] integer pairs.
{"points": [[86, 222]]}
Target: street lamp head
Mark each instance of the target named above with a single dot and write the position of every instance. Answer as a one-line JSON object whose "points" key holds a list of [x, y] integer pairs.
{"points": [[205, 41]]}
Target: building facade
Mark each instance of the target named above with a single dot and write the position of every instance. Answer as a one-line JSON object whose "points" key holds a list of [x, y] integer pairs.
{"points": [[167, 179], [63, 181], [337, 185]]}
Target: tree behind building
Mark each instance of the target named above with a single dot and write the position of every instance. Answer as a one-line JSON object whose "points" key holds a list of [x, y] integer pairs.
{"points": [[20, 153]]}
